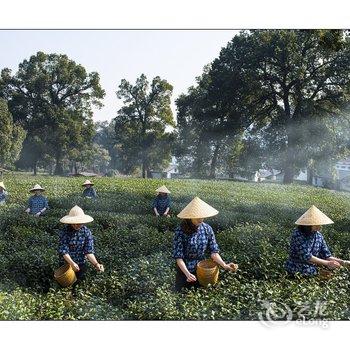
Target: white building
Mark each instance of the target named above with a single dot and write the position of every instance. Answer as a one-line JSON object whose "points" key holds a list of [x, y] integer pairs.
{"points": [[171, 171], [342, 168], [173, 168], [302, 176], [343, 172], [264, 174]]}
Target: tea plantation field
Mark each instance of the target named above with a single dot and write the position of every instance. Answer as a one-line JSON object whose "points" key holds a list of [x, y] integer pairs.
{"points": [[252, 229]]}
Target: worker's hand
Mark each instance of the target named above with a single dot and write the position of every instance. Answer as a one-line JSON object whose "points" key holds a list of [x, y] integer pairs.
{"points": [[75, 267], [27, 211], [191, 277], [231, 267], [99, 267], [37, 214], [331, 264]]}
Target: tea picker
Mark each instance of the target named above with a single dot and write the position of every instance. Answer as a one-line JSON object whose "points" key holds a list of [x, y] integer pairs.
{"points": [[162, 203], [89, 191], [192, 240], [76, 244], [3, 193], [308, 248], [37, 203]]}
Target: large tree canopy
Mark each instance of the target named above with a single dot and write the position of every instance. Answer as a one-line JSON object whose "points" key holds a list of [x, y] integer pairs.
{"points": [[302, 79], [11, 136], [142, 138], [52, 97], [287, 88]]}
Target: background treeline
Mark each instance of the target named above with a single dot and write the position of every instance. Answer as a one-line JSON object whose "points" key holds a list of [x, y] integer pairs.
{"points": [[272, 99]]}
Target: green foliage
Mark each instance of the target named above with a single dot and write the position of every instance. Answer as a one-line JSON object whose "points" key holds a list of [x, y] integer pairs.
{"points": [[280, 88], [11, 136], [105, 137], [52, 97], [253, 229], [140, 127]]}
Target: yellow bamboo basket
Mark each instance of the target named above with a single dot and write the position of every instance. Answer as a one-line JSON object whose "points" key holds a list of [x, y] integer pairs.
{"points": [[207, 272], [65, 275]]}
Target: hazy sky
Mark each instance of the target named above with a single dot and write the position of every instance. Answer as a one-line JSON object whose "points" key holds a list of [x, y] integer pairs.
{"points": [[177, 56]]}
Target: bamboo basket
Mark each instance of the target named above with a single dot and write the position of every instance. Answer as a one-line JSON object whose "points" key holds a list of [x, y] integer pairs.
{"points": [[65, 276], [207, 272]]}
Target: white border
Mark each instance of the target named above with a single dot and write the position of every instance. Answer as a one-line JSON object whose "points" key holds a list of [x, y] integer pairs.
{"points": [[224, 14], [184, 14]]}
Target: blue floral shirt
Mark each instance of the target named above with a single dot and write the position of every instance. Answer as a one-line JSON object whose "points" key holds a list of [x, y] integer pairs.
{"points": [[3, 196], [89, 192], [161, 204], [76, 243], [37, 203], [193, 247], [302, 247]]}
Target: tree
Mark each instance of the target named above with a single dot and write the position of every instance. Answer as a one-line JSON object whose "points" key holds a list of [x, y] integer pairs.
{"points": [[200, 129], [192, 145], [52, 97], [100, 159], [106, 138], [301, 81], [212, 116], [11, 136], [141, 124], [32, 151]]}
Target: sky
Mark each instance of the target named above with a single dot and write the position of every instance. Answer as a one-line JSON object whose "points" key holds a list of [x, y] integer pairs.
{"points": [[175, 55]]}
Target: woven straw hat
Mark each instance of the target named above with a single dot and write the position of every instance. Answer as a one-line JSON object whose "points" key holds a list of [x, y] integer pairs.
{"points": [[162, 189], [87, 182], [2, 185], [197, 209], [37, 188], [314, 217], [76, 216]]}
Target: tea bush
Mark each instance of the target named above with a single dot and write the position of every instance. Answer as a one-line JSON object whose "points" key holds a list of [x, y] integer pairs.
{"points": [[253, 229]]}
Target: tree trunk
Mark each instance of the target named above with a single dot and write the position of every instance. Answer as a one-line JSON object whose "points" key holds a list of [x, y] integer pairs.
{"points": [[75, 168], [214, 160], [199, 164], [143, 173], [35, 168], [144, 166], [59, 166], [310, 175], [289, 163], [288, 174]]}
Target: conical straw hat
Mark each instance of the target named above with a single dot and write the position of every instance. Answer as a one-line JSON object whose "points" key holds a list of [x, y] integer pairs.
{"points": [[162, 189], [76, 216], [197, 209], [2, 185], [37, 188], [87, 182], [314, 217]]}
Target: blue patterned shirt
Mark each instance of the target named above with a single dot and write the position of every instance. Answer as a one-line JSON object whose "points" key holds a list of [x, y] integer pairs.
{"points": [[193, 247], [37, 203], [3, 196], [76, 243], [89, 192], [161, 204], [302, 248]]}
